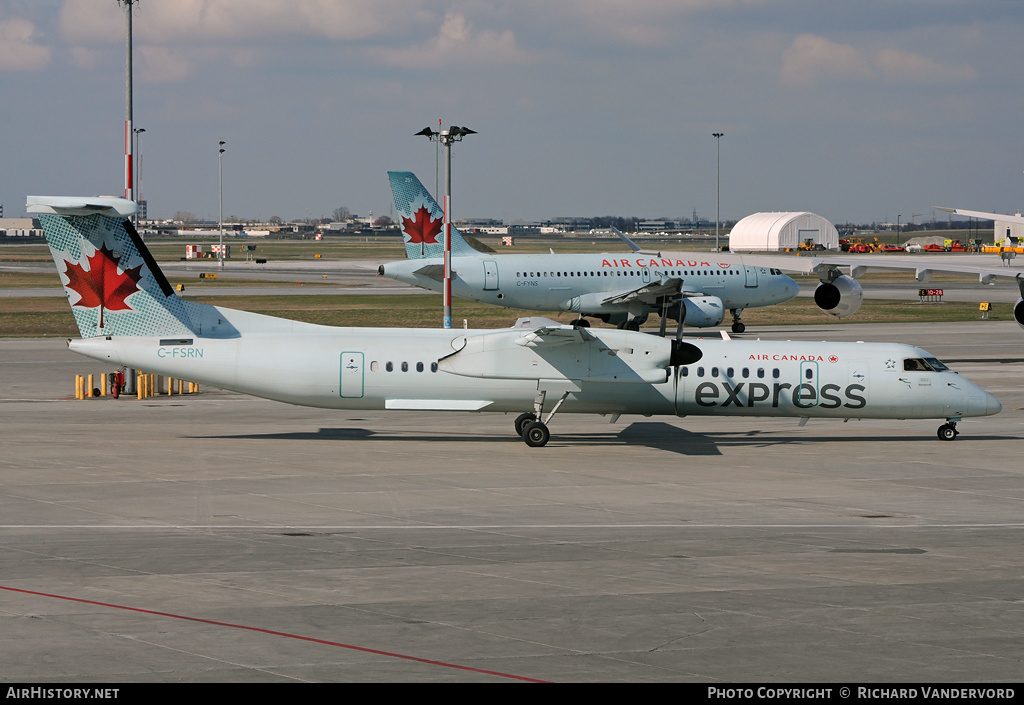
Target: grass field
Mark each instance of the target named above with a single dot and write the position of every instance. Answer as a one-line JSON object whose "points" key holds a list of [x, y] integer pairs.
{"points": [[49, 317]]}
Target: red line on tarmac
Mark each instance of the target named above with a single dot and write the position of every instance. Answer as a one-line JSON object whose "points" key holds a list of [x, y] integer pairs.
{"points": [[276, 633]]}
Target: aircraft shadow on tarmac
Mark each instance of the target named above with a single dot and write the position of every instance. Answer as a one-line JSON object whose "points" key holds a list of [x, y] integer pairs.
{"points": [[660, 436]]}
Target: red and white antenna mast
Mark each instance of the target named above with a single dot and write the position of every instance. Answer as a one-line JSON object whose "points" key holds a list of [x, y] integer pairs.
{"points": [[128, 134]]}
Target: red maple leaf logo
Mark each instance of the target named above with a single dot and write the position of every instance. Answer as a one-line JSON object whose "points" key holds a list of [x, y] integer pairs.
{"points": [[103, 285], [423, 229]]}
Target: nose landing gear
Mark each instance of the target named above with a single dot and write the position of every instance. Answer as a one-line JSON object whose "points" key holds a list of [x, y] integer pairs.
{"points": [[947, 431]]}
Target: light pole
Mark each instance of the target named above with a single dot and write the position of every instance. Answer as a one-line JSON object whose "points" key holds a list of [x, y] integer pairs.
{"points": [[898, 229], [446, 137], [718, 184], [220, 173]]}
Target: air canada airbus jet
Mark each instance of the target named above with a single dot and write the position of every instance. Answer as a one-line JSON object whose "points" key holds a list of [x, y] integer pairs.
{"points": [[617, 288], [128, 314], [624, 288]]}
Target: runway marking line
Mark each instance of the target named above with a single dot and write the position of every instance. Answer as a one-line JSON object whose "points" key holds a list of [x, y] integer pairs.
{"points": [[272, 632]]}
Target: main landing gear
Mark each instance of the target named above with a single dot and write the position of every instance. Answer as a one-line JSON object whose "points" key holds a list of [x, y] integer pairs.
{"points": [[947, 431], [737, 324], [533, 430]]}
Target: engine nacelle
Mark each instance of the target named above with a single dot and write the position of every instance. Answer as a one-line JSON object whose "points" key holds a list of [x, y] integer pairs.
{"points": [[703, 311], [1018, 312], [840, 298]]}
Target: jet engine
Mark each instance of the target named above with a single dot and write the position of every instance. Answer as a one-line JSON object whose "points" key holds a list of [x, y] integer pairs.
{"points": [[1018, 312], [840, 297], [702, 311]]}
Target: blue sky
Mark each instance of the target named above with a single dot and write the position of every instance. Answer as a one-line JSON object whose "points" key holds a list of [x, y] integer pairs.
{"points": [[857, 110]]}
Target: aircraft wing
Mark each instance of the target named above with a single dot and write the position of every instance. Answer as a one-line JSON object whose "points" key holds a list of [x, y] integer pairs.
{"points": [[985, 216], [649, 293], [551, 335], [922, 265]]}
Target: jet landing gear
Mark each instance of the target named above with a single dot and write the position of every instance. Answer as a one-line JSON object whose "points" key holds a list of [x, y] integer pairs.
{"points": [[737, 324], [534, 431], [947, 431], [633, 323]]}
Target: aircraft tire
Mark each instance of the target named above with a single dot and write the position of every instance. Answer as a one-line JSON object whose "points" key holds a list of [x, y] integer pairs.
{"points": [[947, 432], [536, 434], [521, 422], [738, 327], [631, 325], [581, 323]]}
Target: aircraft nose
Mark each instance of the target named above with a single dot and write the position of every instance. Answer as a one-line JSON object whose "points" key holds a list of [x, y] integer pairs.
{"points": [[981, 403], [992, 405]]}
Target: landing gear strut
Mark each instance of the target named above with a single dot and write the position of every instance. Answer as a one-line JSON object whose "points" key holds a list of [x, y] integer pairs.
{"points": [[533, 427], [737, 324], [947, 431]]}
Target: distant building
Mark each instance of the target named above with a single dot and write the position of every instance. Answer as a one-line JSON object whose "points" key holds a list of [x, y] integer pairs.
{"points": [[782, 231], [1010, 233], [20, 227]]}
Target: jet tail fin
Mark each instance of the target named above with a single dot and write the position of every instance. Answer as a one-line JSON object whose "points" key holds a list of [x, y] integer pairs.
{"points": [[422, 219], [113, 283]]}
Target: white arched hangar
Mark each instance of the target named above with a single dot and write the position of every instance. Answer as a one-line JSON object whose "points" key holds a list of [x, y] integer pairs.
{"points": [[782, 231]]}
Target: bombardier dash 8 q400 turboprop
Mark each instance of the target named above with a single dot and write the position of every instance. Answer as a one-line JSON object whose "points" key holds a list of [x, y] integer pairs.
{"points": [[624, 288], [128, 314], [619, 288]]}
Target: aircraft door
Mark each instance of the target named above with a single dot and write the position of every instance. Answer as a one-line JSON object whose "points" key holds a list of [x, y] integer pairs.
{"points": [[806, 395], [645, 274], [490, 275], [351, 376], [751, 273]]}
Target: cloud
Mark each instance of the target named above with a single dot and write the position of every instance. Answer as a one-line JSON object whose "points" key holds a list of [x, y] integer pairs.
{"points": [[812, 59], [456, 42], [231, 20], [18, 48], [907, 67]]}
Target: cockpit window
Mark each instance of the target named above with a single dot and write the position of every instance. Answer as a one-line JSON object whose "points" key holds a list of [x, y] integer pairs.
{"points": [[926, 364]]}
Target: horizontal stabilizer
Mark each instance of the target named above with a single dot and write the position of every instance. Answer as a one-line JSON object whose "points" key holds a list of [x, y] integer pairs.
{"points": [[74, 205], [433, 271]]}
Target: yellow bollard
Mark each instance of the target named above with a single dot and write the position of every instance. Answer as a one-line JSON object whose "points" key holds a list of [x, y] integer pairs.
{"points": [[89, 390], [78, 386], [170, 386], [179, 387], [139, 385], [103, 384], [152, 388]]}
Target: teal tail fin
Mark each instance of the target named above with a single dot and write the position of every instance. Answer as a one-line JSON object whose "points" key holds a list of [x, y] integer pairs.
{"points": [[422, 219], [113, 283]]}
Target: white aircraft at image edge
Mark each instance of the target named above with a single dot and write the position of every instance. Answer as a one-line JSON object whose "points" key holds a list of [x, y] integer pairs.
{"points": [[128, 315], [624, 288]]}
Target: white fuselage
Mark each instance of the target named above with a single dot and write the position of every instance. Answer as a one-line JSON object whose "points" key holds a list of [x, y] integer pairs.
{"points": [[617, 372], [581, 282]]}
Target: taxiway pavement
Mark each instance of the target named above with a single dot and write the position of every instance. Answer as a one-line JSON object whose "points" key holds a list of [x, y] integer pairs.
{"points": [[219, 537]]}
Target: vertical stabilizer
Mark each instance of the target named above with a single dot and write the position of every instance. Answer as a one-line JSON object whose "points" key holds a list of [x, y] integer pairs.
{"points": [[422, 219], [113, 283]]}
